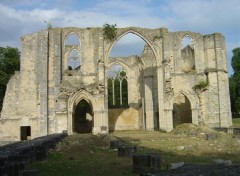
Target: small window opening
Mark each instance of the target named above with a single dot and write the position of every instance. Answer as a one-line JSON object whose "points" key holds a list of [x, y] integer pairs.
{"points": [[25, 132]]}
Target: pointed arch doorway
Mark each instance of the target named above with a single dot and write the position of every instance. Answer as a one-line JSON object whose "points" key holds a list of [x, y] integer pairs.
{"points": [[82, 117], [81, 113], [182, 111]]}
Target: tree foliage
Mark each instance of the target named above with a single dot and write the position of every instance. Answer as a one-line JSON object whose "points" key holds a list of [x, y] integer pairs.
{"points": [[234, 82], [9, 63]]}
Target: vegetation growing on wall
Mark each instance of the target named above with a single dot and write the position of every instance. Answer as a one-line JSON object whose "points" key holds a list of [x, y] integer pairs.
{"points": [[9, 63], [202, 84], [156, 37], [109, 31]]}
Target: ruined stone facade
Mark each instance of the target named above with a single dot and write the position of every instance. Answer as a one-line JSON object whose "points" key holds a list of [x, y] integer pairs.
{"points": [[44, 96]]}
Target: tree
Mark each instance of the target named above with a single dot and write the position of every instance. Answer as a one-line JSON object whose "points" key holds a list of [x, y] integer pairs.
{"points": [[234, 82], [9, 63]]}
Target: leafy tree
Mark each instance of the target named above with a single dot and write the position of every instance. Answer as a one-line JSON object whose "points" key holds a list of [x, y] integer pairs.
{"points": [[9, 63], [234, 82]]}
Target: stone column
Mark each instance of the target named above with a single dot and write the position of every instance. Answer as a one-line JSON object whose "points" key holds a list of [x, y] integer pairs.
{"points": [[149, 110], [222, 78], [167, 120], [195, 116], [54, 76], [162, 118], [100, 122], [43, 89]]}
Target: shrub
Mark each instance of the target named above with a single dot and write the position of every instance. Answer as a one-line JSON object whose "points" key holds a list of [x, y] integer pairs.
{"points": [[109, 31]]}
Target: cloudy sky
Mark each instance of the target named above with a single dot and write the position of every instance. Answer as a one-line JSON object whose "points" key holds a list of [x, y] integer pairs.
{"points": [[20, 17]]}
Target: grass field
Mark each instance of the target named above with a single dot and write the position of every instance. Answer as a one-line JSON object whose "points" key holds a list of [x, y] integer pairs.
{"points": [[88, 155], [236, 122]]}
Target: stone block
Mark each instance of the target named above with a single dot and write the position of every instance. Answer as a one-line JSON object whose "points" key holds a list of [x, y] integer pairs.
{"points": [[211, 136], [127, 150], [146, 163], [114, 144]]}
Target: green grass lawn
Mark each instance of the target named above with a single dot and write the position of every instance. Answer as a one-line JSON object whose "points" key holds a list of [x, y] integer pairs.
{"points": [[236, 122], [87, 155]]}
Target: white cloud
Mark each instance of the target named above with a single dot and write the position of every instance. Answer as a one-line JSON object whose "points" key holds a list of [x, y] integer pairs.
{"points": [[18, 18]]}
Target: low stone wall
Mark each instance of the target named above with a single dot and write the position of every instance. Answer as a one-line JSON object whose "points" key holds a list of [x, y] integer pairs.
{"points": [[15, 157], [230, 130]]}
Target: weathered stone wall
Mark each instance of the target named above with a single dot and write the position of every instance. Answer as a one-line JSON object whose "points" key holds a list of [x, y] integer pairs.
{"points": [[44, 94], [123, 119]]}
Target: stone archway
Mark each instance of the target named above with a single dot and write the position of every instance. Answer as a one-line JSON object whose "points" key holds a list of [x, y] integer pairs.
{"points": [[144, 103], [182, 112], [110, 45], [83, 117], [81, 108]]}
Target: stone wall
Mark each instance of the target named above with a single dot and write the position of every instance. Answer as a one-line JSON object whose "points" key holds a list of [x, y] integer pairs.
{"points": [[44, 94]]}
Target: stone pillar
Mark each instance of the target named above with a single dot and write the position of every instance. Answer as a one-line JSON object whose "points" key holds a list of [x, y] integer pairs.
{"points": [[164, 53], [195, 116], [43, 89], [100, 122], [218, 112], [162, 119], [167, 120], [223, 85], [103, 126], [54, 76], [149, 109]]}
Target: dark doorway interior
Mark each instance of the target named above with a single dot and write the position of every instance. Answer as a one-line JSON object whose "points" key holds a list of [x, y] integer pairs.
{"points": [[25, 132], [83, 118], [182, 112]]}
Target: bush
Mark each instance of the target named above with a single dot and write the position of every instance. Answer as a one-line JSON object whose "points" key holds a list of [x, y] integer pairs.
{"points": [[109, 31], [201, 85]]}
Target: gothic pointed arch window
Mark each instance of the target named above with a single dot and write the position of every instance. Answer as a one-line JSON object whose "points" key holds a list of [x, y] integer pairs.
{"points": [[187, 54], [117, 86], [72, 39], [74, 62]]}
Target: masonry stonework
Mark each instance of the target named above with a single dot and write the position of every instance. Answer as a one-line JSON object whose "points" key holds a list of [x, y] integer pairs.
{"points": [[46, 95]]}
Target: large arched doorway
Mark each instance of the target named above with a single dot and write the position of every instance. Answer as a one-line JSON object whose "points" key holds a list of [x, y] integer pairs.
{"points": [[82, 118], [182, 112]]}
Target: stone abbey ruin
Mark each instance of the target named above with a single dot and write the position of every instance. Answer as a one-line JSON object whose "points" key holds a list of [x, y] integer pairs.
{"points": [[78, 87]]}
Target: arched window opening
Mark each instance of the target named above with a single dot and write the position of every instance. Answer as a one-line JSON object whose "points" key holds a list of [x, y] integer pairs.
{"points": [[74, 62], [117, 86], [72, 39], [182, 112], [128, 45], [83, 118], [187, 54]]}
